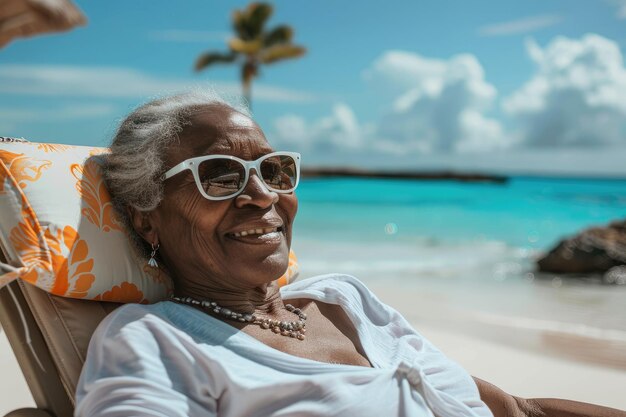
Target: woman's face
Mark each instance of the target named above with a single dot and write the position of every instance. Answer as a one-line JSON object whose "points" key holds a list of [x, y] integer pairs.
{"points": [[201, 241]]}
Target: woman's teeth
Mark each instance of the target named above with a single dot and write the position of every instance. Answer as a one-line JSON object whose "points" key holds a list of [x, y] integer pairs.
{"points": [[256, 232]]}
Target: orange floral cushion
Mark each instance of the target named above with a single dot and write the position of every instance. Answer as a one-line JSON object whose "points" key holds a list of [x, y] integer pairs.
{"points": [[60, 232]]}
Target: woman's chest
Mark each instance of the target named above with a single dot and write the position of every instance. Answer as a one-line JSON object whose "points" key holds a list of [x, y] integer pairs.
{"points": [[331, 348], [330, 338]]}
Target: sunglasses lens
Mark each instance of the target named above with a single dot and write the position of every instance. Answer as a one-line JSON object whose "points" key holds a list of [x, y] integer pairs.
{"points": [[221, 177], [279, 172]]}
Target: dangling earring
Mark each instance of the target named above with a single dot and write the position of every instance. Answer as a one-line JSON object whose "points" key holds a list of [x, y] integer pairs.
{"points": [[152, 262]]}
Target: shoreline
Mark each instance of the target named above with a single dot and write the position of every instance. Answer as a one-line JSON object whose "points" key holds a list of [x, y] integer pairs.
{"points": [[530, 374], [551, 337], [526, 360]]}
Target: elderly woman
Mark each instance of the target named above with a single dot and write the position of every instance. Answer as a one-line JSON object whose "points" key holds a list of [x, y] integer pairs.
{"points": [[209, 201]]}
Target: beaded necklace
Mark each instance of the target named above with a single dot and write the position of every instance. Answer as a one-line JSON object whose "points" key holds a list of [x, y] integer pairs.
{"points": [[295, 329]]}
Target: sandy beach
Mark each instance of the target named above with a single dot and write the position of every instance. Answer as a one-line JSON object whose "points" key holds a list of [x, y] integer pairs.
{"points": [[14, 392], [526, 360], [531, 375], [523, 370]]}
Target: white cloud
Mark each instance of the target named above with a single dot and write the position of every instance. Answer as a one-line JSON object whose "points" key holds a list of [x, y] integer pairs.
{"points": [[524, 25], [188, 36], [438, 105], [568, 118], [11, 115], [116, 82], [620, 5], [431, 106], [338, 131], [397, 71], [291, 129], [577, 96], [607, 161], [480, 133], [19, 121]]}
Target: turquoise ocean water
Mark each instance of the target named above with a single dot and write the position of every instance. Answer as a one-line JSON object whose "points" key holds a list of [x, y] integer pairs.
{"points": [[531, 213], [467, 248]]}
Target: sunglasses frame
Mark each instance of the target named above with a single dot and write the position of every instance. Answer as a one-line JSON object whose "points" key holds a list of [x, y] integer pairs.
{"points": [[193, 163]]}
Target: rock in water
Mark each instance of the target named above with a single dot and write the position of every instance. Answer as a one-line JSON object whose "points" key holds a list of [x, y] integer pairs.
{"points": [[615, 275], [593, 250]]}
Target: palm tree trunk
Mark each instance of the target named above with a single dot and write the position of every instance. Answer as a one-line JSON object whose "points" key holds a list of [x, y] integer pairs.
{"points": [[247, 92], [248, 71]]}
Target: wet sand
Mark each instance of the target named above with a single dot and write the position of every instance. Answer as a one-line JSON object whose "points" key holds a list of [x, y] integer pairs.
{"points": [[527, 359]]}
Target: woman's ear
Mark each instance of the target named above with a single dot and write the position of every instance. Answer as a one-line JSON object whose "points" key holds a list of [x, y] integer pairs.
{"points": [[144, 224]]}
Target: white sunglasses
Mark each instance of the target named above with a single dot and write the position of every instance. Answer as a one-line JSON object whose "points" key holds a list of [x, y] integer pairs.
{"points": [[220, 177]]}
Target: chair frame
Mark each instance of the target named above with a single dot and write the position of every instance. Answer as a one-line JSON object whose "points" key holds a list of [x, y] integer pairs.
{"points": [[39, 371], [33, 351]]}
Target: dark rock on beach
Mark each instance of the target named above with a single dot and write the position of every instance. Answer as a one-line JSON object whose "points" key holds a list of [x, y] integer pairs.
{"points": [[402, 175], [594, 250], [615, 275]]}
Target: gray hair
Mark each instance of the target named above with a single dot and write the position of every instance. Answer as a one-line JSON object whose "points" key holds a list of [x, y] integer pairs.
{"points": [[132, 168]]}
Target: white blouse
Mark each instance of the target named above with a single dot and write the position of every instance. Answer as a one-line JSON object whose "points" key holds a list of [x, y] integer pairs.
{"points": [[171, 360]]}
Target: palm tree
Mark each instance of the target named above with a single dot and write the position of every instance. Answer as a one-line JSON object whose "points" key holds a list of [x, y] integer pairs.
{"points": [[253, 45]]}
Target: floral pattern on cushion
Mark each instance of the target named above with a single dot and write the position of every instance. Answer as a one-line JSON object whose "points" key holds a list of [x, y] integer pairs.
{"points": [[124, 293], [50, 147], [71, 263], [90, 185], [26, 240], [23, 168]]}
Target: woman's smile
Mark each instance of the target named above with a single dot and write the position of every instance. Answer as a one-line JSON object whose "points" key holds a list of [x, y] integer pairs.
{"points": [[263, 238], [259, 234]]}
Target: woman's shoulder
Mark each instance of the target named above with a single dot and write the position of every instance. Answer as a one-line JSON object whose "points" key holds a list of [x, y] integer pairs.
{"points": [[165, 320], [342, 289], [138, 318], [322, 283], [130, 312]]}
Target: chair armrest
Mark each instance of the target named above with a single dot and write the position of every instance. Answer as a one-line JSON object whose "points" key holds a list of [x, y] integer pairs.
{"points": [[29, 412]]}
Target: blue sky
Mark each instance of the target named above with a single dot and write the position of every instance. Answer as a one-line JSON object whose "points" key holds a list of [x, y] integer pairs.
{"points": [[510, 86]]}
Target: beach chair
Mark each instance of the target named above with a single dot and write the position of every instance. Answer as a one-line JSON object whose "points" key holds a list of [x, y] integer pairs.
{"points": [[49, 336]]}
